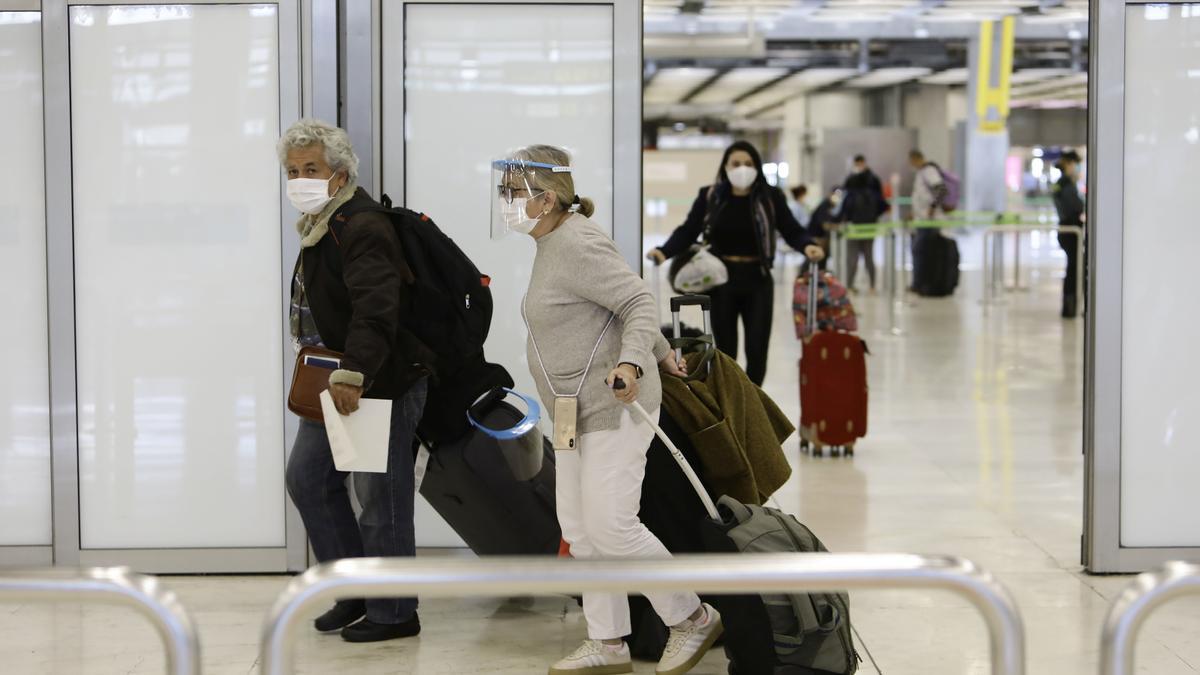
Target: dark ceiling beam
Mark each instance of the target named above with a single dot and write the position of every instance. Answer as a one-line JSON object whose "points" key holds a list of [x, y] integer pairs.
{"points": [[721, 72], [766, 85]]}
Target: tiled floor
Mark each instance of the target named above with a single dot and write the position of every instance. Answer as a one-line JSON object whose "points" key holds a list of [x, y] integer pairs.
{"points": [[974, 450]]}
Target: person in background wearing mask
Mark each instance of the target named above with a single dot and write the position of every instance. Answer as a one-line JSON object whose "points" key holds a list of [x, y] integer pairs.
{"points": [[741, 217], [1071, 211], [350, 294], [864, 203], [587, 312], [825, 219], [799, 209]]}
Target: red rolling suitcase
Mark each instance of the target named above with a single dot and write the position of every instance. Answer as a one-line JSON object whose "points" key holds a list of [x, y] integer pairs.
{"points": [[833, 387]]}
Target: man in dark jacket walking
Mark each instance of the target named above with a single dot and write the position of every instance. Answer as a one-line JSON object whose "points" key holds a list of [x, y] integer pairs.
{"points": [[864, 203], [1071, 211], [350, 294]]}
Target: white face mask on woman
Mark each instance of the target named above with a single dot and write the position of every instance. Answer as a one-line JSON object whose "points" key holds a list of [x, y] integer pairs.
{"points": [[515, 216], [309, 195], [742, 177]]}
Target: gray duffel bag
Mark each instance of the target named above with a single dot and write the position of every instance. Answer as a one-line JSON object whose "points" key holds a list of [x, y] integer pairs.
{"points": [[811, 630]]}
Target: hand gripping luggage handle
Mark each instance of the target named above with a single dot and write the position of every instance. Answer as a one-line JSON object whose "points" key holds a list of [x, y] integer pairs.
{"points": [[683, 463]]}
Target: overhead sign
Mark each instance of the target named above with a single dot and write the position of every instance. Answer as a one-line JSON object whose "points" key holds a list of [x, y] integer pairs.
{"points": [[994, 74]]}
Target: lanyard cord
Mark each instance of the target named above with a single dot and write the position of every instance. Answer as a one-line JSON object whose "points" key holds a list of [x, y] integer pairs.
{"points": [[538, 352]]}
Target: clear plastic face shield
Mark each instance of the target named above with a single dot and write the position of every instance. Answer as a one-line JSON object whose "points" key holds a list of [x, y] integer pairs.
{"points": [[516, 431], [514, 186]]}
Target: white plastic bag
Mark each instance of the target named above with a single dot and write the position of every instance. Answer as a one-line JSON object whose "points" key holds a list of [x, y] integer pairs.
{"points": [[702, 273]]}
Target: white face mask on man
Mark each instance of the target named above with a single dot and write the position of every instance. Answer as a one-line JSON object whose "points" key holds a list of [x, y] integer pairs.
{"points": [[309, 195], [742, 177]]}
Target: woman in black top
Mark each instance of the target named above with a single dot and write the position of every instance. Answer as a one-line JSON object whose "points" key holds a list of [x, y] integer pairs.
{"points": [[741, 216]]}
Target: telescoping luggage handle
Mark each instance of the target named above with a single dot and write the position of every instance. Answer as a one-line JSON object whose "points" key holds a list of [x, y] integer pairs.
{"points": [[679, 458], [705, 343], [814, 283]]}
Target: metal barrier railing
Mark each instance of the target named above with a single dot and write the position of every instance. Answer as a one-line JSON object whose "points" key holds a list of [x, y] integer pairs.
{"points": [[739, 574], [1129, 611], [114, 586], [993, 260]]}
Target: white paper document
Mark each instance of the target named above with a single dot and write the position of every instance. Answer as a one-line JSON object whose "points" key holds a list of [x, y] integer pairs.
{"points": [[359, 441]]}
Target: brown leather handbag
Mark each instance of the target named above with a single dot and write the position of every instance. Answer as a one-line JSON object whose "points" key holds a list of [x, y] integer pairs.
{"points": [[314, 365]]}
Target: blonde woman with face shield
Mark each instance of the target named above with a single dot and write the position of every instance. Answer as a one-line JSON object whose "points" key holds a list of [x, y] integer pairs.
{"points": [[589, 315]]}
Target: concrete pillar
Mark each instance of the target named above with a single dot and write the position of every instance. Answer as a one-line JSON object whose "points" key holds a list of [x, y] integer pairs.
{"points": [[990, 65]]}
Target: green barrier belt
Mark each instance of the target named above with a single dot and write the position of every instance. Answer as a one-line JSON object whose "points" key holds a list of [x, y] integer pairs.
{"points": [[866, 231]]}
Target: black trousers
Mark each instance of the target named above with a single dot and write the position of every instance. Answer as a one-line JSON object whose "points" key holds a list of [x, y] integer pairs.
{"points": [[750, 296], [1069, 241]]}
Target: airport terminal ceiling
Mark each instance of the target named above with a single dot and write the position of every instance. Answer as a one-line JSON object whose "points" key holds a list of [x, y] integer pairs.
{"points": [[724, 65]]}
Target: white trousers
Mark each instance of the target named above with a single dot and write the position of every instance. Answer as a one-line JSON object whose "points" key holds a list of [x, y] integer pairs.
{"points": [[599, 492]]}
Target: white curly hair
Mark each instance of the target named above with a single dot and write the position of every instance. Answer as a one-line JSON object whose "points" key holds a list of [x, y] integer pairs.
{"points": [[339, 153]]}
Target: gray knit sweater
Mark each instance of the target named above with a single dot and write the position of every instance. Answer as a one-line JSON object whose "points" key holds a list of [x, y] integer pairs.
{"points": [[579, 281]]}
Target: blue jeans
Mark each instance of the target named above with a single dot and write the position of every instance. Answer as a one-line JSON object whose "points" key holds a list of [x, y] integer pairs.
{"points": [[385, 527]]}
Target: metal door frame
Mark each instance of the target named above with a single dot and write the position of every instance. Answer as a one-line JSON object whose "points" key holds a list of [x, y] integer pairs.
{"points": [[304, 41], [26, 555], [1102, 549], [363, 95]]}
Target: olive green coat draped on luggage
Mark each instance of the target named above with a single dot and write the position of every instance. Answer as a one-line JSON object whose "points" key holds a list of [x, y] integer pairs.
{"points": [[737, 430]]}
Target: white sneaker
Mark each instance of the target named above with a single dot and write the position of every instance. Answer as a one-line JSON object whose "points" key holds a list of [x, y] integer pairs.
{"points": [[595, 658], [689, 642]]}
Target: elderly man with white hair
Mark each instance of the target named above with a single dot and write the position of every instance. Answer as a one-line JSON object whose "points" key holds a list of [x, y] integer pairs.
{"points": [[350, 294]]}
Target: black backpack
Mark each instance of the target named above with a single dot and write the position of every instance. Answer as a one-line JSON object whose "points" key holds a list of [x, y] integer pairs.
{"points": [[450, 295], [452, 311]]}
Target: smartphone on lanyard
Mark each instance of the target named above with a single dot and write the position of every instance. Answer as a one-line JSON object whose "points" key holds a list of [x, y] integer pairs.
{"points": [[566, 418]]}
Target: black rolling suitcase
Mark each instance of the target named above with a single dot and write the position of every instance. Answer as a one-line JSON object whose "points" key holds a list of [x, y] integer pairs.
{"points": [[935, 264], [472, 485]]}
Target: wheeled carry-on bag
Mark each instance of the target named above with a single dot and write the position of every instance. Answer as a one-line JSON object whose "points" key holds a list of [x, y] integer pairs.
{"points": [[801, 634], [935, 264], [833, 387], [498, 498]]}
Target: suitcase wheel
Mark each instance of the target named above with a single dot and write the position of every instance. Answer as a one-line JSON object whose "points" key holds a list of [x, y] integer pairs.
{"points": [[803, 445], [835, 452], [818, 452], [849, 450]]}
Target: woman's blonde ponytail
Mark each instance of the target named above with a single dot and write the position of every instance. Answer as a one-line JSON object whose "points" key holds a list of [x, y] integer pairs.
{"points": [[561, 183]]}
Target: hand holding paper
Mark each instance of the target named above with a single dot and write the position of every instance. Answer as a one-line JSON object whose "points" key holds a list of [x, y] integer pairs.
{"points": [[359, 441]]}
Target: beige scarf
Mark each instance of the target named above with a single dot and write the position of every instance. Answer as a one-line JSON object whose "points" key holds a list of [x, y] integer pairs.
{"points": [[313, 227]]}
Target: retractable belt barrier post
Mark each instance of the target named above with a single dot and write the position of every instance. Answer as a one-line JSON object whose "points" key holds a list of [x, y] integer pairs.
{"points": [[993, 274], [114, 586], [738, 574]]}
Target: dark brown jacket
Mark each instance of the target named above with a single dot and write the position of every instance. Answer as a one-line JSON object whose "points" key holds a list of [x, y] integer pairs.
{"points": [[357, 284], [737, 431]]}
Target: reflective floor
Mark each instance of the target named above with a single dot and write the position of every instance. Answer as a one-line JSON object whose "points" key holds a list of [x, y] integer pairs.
{"points": [[974, 450]]}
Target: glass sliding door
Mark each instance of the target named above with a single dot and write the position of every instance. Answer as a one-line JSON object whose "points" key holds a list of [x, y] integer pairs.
{"points": [[175, 111], [25, 494]]}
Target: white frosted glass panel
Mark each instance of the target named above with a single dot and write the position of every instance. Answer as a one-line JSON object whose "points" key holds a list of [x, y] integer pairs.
{"points": [[1160, 408], [24, 391], [481, 80], [175, 114]]}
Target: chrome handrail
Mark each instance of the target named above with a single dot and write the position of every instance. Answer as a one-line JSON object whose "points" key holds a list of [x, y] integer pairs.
{"points": [[991, 245], [1133, 606], [114, 586], [738, 574]]}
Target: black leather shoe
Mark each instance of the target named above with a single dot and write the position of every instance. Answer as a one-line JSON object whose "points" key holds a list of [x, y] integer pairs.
{"points": [[369, 631], [343, 614]]}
